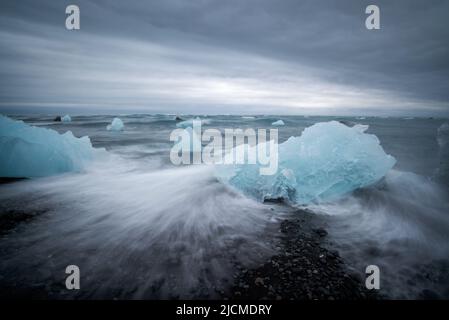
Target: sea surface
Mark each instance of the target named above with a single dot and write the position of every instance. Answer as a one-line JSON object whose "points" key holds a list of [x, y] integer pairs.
{"points": [[139, 227]]}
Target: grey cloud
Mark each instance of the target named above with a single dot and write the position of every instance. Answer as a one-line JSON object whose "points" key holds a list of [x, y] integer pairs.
{"points": [[281, 53]]}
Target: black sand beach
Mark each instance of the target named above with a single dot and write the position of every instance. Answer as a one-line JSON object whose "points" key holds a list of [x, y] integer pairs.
{"points": [[304, 268]]}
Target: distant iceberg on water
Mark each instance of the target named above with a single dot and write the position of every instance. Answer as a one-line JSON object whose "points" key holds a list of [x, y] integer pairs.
{"points": [[28, 151], [328, 161], [66, 118], [116, 125], [278, 123], [189, 123]]}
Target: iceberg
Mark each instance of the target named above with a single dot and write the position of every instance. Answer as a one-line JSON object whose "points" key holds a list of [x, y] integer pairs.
{"points": [[328, 161], [116, 125], [28, 151], [278, 123], [66, 118], [189, 123]]}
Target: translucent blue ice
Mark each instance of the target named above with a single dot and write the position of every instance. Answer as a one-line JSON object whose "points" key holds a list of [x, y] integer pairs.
{"points": [[189, 123], [278, 123], [116, 125], [66, 118], [28, 151], [328, 161]]}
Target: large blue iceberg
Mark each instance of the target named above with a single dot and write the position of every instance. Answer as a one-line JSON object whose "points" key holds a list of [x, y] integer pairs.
{"points": [[328, 161], [28, 151]]}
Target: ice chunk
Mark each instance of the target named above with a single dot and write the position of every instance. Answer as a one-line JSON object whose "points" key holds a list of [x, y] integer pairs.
{"points": [[328, 161], [189, 123], [28, 151], [66, 118], [116, 125], [278, 123]]}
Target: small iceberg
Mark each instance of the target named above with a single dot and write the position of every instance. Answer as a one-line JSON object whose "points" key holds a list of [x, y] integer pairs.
{"points": [[28, 151], [278, 123], [116, 125], [189, 123], [328, 161], [66, 118]]}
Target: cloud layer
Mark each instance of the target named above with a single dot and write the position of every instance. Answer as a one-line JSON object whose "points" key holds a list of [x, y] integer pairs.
{"points": [[210, 56]]}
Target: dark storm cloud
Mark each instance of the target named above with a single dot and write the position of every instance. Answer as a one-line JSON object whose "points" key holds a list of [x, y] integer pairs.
{"points": [[263, 53]]}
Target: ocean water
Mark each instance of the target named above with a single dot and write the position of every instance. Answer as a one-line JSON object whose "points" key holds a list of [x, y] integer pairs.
{"points": [[139, 227]]}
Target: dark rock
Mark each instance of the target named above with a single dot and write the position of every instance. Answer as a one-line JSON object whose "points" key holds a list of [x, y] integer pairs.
{"points": [[321, 232], [4, 180], [273, 200], [258, 281], [347, 123]]}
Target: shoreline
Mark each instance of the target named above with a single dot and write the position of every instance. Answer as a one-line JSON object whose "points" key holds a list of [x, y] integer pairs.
{"points": [[303, 268]]}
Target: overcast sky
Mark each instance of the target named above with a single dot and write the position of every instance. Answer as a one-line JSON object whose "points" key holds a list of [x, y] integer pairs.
{"points": [[233, 56]]}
